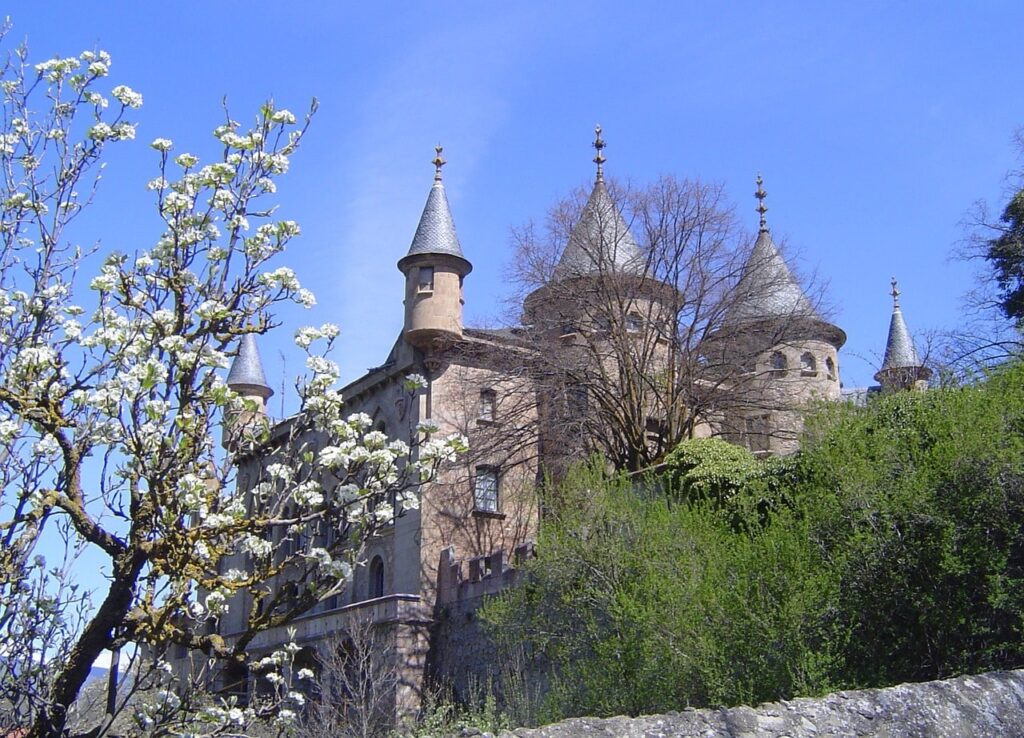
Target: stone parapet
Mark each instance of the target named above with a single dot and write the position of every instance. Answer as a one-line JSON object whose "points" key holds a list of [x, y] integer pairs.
{"points": [[462, 581]]}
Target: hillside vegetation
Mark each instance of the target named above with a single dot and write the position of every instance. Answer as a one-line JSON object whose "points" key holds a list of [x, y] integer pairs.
{"points": [[888, 550]]}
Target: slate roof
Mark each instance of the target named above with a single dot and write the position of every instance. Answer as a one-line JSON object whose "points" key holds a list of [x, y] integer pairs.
{"points": [[900, 352], [246, 374], [767, 288], [600, 243], [435, 233]]}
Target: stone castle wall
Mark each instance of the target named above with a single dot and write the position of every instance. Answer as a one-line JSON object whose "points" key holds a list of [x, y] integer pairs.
{"points": [[462, 656]]}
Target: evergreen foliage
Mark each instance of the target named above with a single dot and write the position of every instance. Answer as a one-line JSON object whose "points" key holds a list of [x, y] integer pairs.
{"points": [[890, 549]]}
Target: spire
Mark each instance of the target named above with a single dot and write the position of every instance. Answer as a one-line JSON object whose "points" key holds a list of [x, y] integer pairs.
{"points": [[599, 144], [246, 376], [761, 207], [900, 352], [435, 233], [600, 241], [767, 288]]}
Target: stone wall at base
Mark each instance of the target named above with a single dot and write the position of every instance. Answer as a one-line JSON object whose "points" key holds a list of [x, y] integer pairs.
{"points": [[985, 706]]}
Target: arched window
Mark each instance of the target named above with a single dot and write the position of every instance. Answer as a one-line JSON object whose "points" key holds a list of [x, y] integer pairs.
{"points": [[830, 367], [808, 364], [779, 363], [376, 578], [634, 323]]}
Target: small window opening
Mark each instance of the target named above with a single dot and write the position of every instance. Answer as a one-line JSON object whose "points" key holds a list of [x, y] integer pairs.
{"points": [[488, 401], [830, 367], [634, 323], [426, 279], [808, 365], [779, 363]]}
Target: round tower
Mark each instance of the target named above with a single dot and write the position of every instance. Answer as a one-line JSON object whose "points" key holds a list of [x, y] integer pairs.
{"points": [[434, 269], [785, 353], [901, 367], [246, 377], [601, 281]]}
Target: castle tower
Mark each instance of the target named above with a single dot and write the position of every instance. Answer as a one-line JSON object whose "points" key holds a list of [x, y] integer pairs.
{"points": [[787, 353], [434, 268], [246, 377], [901, 367]]}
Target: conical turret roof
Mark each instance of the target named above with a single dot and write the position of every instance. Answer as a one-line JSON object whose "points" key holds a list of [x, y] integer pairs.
{"points": [[767, 288], [900, 352], [246, 376], [435, 233], [600, 242]]}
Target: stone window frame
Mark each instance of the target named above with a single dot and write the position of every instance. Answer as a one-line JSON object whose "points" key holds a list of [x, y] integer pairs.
{"points": [[778, 363], [375, 578], [425, 280], [487, 411], [487, 499], [808, 364]]}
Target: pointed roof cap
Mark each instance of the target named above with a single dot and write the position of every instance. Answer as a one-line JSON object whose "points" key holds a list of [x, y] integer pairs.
{"points": [[767, 288], [900, 352], [246, 376], [600, 242], [435, 233]]}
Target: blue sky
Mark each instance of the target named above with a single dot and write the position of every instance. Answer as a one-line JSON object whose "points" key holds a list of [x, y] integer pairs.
{"points": [[876, 126]]}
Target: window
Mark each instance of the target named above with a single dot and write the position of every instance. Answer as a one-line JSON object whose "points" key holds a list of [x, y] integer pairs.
{"points": [[779, 363], [426, 279], [634, 323], [568, 329], [808, 365], [488, 400], [830, 367], [603, 324], [485, 489], [376, 588], [758, 432]]}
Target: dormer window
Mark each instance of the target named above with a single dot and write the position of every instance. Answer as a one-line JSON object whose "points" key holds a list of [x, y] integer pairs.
{"points": [[488, 401], [426, 280], [808, 364]]}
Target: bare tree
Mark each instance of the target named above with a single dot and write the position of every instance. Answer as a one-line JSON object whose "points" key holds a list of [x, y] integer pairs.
{"points": [[649, 317], [359, 671]]}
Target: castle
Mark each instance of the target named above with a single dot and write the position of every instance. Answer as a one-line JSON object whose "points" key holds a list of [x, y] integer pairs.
{"points": [[529, 398]]}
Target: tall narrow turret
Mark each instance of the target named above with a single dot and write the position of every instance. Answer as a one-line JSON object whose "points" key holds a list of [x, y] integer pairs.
{"points": [[246, 377], [901, 367], [434, 269]]}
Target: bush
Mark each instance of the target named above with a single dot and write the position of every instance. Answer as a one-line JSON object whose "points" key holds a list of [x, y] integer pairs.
{"points": [[890, 549]]}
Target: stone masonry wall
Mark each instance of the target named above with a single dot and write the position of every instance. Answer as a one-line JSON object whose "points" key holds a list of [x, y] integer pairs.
{"points": [[462, 658], [985, 706]]}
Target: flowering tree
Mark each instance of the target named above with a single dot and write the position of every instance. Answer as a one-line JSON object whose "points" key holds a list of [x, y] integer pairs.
{"points": [[111, 396]]}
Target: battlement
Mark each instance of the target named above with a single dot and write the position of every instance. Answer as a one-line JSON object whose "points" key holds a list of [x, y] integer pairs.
{"points": [[461, 580]]}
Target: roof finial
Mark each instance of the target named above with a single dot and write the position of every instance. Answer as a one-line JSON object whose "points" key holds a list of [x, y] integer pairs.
{"points": [[895, 294], [438, 162], [599, 144], [761, 207]]}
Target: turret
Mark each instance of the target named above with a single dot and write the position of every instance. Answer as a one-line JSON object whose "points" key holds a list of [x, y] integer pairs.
{"points": [[246, 377], [901, 367], [782, 351], [601, 270], [434, 269]]}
